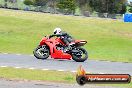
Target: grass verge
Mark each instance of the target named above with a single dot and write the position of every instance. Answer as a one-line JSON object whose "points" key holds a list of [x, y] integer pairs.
{"points": [[108, 39], [52, 76]]}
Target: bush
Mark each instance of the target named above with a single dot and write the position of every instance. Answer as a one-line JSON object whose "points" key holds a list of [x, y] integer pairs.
{"points": [[67, 5], [130, 10], [28, 2], [40, 2]]}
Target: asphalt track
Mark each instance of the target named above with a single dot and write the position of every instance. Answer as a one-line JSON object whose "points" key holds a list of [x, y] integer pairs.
{"points": [[4, 83], [29, 61]]}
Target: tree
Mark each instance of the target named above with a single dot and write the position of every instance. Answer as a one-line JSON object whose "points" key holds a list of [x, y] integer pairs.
{"points": [[28, 2], [68, 5], [130, 9], [108, 6], [52, 4], [40, 2], [12, 1], [84, 5], [5, 5], [14, 4], [124, 9]]}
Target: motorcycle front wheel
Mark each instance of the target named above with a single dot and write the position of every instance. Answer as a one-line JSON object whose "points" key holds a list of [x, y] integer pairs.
{"points": [[41, 52], [80, 56]]}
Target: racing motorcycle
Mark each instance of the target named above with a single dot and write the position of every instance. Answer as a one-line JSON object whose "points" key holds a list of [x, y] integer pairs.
{"points": [[56, 48]]}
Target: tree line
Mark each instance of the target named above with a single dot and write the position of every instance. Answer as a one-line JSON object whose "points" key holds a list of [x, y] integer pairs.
{"points": [[84, 6]]}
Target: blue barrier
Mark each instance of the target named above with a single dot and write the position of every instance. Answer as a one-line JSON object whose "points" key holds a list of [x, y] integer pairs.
{"points": [[127, 17]]}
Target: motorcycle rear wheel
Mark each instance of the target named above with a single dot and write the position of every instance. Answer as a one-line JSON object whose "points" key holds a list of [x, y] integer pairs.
{"points": [[80, 58], [41, 52]]}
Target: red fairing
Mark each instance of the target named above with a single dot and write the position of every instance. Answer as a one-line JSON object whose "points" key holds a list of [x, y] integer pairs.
{"points": [[56, 54], [59, 40], [42, 41], [59, 54]]}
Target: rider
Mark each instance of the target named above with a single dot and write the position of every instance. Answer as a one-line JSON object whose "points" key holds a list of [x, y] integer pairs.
{"points": [[66, 38]]}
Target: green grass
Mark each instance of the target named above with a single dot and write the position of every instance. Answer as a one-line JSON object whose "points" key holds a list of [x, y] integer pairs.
{"points": [[52, 76], [20, 32], [26, 74]]}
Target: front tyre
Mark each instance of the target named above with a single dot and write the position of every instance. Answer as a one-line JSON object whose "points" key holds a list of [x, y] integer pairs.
{"points": [[80, 56], [42, 52]]}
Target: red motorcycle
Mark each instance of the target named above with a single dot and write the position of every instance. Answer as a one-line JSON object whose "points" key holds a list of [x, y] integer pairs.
{"points": [[56, 48]]}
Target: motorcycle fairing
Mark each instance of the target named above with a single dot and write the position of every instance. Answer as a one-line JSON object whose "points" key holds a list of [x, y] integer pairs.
{"points": [[56, 54]]}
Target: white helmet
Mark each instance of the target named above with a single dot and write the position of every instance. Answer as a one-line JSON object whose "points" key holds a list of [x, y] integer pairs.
{"points": [[57, 31]]}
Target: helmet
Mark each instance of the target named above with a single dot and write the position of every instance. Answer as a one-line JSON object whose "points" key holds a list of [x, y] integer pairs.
{"points": [[57, 31]]}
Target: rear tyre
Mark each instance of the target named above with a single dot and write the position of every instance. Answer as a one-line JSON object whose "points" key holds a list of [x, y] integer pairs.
{"points": [[80, 56], [41, 52]]}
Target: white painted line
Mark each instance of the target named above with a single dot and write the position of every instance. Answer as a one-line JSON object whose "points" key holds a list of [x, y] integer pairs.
{"points": [[101, 73], [3, 66], [17, 67], [60, 70], [18, 54], [5, 53], [31, 68], [31, 55], [73, 71], [45, 69]]}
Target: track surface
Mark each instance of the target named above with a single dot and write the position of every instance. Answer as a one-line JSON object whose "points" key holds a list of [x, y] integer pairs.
{"points": [[28, 61], [36, 84]]}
